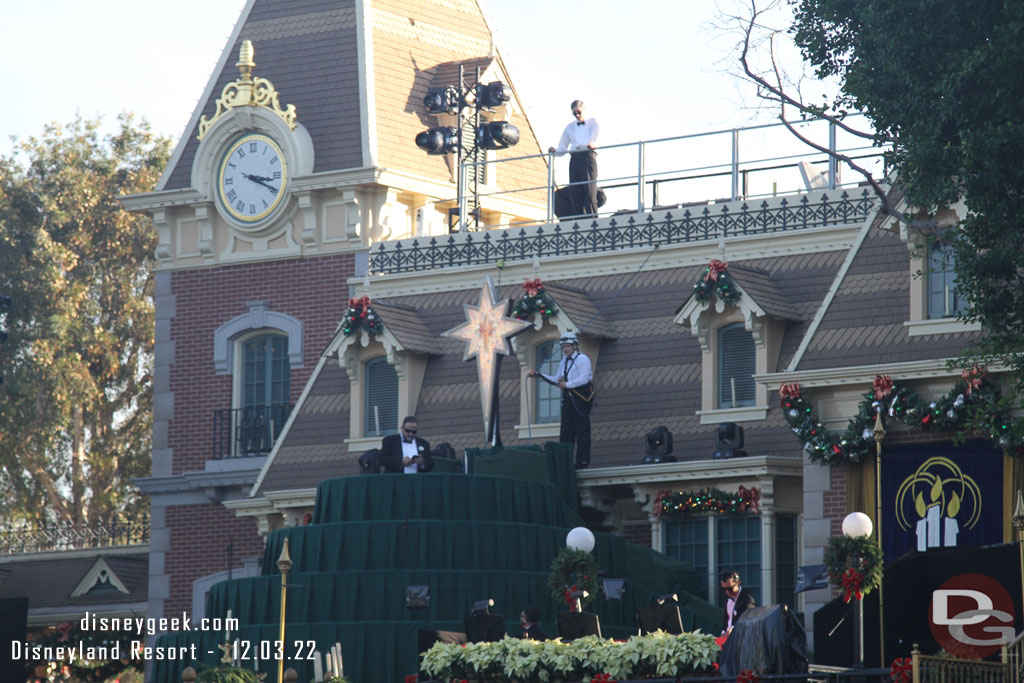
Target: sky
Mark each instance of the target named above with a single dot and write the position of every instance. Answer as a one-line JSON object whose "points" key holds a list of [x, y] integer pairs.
{"points": [[647, 68]]}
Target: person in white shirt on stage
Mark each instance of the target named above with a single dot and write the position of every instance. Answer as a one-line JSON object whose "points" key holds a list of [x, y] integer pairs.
{"points": [[575, 379], [405, 452], [580, 139]]}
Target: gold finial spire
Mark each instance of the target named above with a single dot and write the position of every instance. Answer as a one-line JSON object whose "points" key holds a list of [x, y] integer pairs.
{"points": [[248, 91]]}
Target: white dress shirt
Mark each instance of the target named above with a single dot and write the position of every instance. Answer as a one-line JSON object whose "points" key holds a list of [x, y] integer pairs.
{"points": [[409, 451], [577, 137], [579, 371]]}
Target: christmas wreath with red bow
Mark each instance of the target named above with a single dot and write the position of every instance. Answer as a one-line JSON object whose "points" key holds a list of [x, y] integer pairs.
{"points": [[854, 565], [535, 299], [902, 670], [682, 503], [360, 314], [573, 570], [716, 280], [972, 405]]}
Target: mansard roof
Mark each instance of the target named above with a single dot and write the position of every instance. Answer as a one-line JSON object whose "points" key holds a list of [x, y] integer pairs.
{"points": [[758, 285], [358, 82], [49, 579], [405, 324]]}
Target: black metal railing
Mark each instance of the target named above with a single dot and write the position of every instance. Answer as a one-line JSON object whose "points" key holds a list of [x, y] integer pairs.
{"points": [[246, 432], [673, 226], [66, 537]]}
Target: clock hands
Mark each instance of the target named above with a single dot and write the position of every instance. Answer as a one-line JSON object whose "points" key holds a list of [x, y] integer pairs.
{"points": [[260, 180]]}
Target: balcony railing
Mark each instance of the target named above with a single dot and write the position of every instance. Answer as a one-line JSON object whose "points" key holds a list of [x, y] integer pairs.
{"points": [[46, 539], [688, 188], [247, 432]]}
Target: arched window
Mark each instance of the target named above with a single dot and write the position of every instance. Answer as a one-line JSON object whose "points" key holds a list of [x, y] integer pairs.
{"points": [[381, 398], [737, 364], [547, 402], [265, 385]]}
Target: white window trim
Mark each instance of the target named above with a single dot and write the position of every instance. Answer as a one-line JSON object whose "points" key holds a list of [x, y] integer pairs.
{"points": [[353, 353], [259, 317], [525, 347]]}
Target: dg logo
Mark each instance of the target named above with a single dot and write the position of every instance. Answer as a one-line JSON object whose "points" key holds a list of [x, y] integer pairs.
{"points": [[971, 616]]}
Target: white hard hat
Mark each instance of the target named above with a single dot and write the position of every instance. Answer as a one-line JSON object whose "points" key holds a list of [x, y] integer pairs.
{"points": [[569, 338]]}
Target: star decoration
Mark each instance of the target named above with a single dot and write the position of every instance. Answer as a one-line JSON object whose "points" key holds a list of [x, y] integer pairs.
{"points": [[487, 332]]}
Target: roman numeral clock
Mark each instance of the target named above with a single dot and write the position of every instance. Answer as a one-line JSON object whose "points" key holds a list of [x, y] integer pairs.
{"points": [[250, 151], [252, 178]]}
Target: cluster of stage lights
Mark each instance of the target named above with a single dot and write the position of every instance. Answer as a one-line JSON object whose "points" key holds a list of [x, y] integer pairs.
{"points": [[488, 135]]}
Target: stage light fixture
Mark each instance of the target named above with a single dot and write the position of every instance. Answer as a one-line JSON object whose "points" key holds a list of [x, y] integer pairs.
{"points": [[481, 607], [659, 441], [492, 95], [497, 135], [442, 140], [614, 589], [442, 100], [728, 441], [417, 597]]}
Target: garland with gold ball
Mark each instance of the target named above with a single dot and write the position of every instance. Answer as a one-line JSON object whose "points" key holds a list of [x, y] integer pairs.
{"points": [[535, 299], [361, 314], [973, 405], [716, 280], [671, 504]]}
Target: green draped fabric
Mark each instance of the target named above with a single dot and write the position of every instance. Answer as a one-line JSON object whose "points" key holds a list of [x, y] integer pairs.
{"points": [[441, 496], [491, 534]]}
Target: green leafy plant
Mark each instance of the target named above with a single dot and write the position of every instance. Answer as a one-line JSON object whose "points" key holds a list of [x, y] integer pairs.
{"points": [[227, 674], [511, 659]]}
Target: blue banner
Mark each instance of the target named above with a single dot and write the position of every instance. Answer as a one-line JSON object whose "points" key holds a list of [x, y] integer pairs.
{"points": [[941, 496]]}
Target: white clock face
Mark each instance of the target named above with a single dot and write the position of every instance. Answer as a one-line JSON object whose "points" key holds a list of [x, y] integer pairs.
{"points": [[252, 178]]}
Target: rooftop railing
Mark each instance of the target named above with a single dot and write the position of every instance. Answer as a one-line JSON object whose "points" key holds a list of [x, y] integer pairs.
{"points": [[671, 190], [66, 537]]}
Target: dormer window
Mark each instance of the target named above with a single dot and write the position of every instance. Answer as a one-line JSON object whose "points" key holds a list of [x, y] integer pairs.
{"points": [[944, 300], [737, 363]]}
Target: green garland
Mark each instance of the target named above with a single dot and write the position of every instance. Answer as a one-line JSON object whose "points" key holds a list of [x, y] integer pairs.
{"points": [[535, 299], [682, 503], [839, 553], [716, 280], [573, 569], [972, 405], [359, 314]]}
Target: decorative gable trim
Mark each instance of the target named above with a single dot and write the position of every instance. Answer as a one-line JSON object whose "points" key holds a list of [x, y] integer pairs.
{"points": [[99, 574]]}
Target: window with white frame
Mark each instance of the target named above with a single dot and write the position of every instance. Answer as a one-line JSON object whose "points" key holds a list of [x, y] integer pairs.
{"points": [[738, 547], [737, 363], [548, 398], [944, 300], [687, 540], [381, 414]]}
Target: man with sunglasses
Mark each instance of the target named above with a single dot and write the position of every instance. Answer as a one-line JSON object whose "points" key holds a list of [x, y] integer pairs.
{"points": [[580, 139], [737, 598], [405, 452]]}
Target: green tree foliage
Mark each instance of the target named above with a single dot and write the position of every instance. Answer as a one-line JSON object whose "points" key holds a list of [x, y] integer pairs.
{"points": [[75, 405], [941, 80]]}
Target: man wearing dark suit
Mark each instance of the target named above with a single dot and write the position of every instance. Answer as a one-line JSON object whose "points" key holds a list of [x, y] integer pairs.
{"points": [[737, 599], [529, 618], [405, 452]]}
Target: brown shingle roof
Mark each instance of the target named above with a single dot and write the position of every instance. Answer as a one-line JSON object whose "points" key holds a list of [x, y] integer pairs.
{"points": [[758, 285], [405, 324]]}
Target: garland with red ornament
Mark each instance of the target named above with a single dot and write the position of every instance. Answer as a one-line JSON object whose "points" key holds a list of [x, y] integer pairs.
{"points": [[535, 299], [854, 565], [973, 405], [902, 670], [716, 280], [681, 503], [360, 314]]}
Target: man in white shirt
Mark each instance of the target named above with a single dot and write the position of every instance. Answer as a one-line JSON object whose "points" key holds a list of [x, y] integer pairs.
{"points": [[575, 379], [405, 452], [580, 138], [737, 598]]}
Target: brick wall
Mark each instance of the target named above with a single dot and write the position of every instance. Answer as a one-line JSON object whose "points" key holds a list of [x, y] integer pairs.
{"points": [[835, 499], [199, 537], [314, 290], [638, 532]]}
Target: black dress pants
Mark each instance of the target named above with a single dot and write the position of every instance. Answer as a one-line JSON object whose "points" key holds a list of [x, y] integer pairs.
{"points": [[583, 170], [575, 427]]}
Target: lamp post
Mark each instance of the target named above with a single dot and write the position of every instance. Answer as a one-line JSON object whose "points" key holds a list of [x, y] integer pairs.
{"points": [[856, 525], [1018, 525], [284, 564], [580, 538], [879, 434]]}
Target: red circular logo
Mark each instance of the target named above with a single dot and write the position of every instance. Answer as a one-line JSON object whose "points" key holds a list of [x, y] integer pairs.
{"points": [[971, 616]]}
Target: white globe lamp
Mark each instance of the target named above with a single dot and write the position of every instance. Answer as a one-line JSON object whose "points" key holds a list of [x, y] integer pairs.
{"points": [[580, 538], [857, 524]]}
